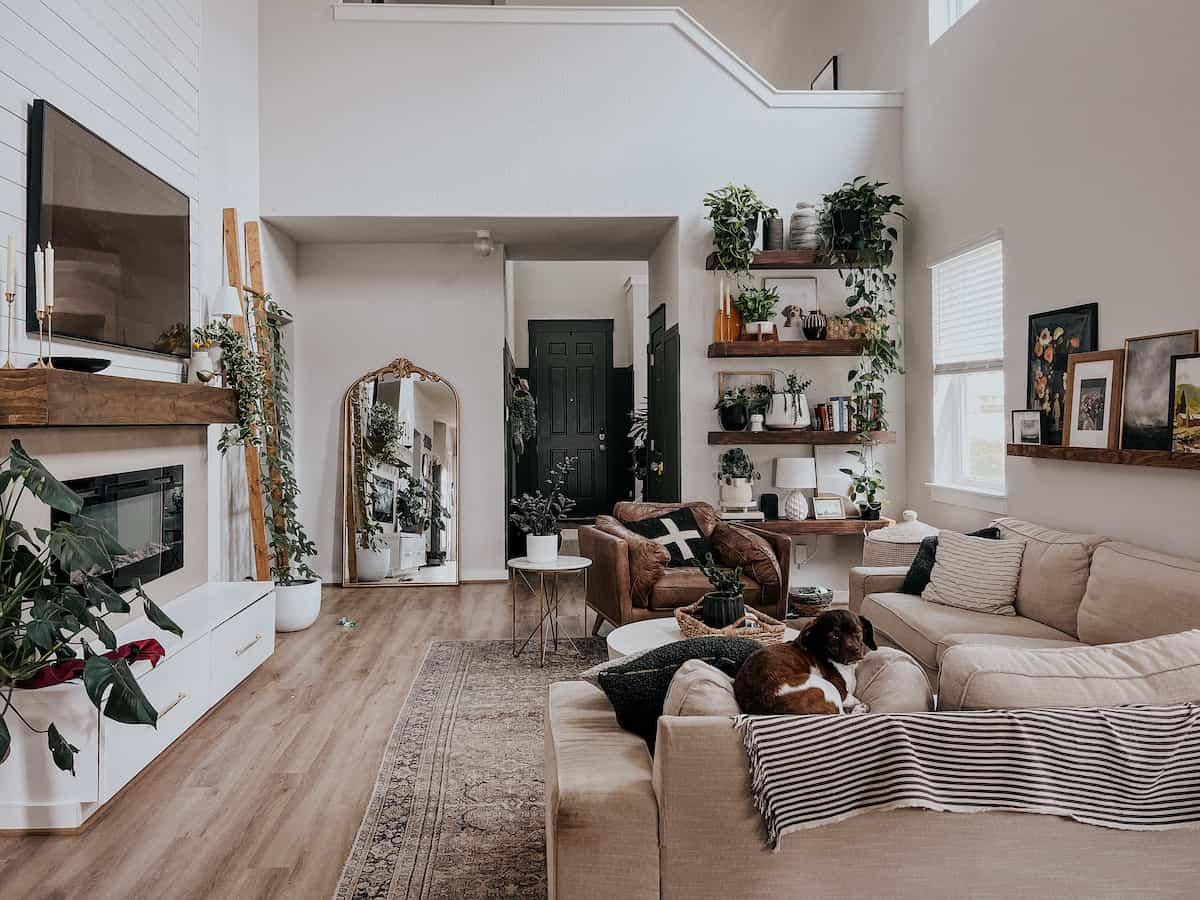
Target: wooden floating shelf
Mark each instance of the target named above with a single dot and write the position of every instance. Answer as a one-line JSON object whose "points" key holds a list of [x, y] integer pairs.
{"points": [[819, 526], [1163, 459], [797, 436], [782, 259], [747, 349], [57, 397]]}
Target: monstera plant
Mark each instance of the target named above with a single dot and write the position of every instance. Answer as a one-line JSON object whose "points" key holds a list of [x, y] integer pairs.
{"points": [[54, 600]]}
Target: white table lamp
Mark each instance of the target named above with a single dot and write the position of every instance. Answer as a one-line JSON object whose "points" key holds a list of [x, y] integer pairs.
{"points": [[794, 474], [227, 302]]}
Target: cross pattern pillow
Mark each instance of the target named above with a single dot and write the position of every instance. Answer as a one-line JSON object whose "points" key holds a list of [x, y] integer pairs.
{"points": [[975, 573], [679, 533]]}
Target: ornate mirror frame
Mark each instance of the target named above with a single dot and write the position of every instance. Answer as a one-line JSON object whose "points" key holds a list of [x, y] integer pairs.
{"points": [[399, 368]]}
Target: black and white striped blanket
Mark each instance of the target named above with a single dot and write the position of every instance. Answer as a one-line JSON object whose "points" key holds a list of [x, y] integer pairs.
{"points": [[1132, 767]]}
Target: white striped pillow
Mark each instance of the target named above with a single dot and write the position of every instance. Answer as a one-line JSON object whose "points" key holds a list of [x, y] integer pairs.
{"points": [[974, 573]]}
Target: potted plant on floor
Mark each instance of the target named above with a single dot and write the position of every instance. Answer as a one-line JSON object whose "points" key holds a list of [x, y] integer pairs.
{"points": [[737, 474], [789, 408], [734, 212], [53, 605], [733, 409], [866, 484], [757, 306], [725, 603], [539, 516]]}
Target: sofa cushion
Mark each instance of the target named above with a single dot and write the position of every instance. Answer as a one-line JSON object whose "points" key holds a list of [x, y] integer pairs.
{"points": [[918, 626], [1054, 572], [700, 689], [736, 546], [678, 532], [921, 568], [1155, 671], [891, 681], [976, 574], [682, 587], [1012, 641], [635, 510], [1137, 593]]}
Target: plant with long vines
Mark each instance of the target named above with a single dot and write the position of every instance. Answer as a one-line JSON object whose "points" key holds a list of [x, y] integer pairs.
{"points": [[368, 532], [522, 416], [734, 212]]}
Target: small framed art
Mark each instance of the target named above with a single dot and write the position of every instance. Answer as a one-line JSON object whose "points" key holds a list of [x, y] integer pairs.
{"points": [[828, 508], [1092, 411], [1185, 403], [1026, 426], [797, 297], [748, 381]]}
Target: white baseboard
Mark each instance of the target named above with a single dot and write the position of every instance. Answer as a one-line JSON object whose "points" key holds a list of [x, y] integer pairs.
{"points": [[475, 575]]}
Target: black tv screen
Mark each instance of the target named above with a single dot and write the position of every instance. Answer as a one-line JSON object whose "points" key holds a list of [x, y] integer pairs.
{"points": [[121, 237]]}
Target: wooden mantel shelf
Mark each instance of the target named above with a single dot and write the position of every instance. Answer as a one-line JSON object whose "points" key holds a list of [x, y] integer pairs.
{"points": [[795, 436], [1162, 459], [56, 397]]}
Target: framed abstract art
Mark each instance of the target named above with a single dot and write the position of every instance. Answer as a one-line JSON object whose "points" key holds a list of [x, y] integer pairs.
{"points": [[1053, 336], [1146, 416]]}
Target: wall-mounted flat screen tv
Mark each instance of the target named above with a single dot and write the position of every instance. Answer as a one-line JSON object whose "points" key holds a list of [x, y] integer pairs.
{"points": [[121, 237]]}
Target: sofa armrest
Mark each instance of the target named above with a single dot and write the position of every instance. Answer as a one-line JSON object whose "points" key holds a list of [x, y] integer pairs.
{"points": [[608, 590], [765, 557], [601, 812], [874, 580]]}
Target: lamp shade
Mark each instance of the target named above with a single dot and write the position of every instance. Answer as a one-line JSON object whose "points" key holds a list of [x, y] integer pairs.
{"points": [[795, 473], [227, 302]]}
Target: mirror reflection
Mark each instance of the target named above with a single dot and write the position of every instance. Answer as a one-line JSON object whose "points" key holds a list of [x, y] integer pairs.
{"points": [[400, 475]]}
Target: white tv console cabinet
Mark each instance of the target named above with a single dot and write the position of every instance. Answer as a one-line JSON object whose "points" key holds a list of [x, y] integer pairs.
{"points": [[228, 632]]}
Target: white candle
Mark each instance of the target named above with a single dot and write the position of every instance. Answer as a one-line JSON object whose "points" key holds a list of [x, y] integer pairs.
{"points": [[11, 271], [49, 276], [39, 277]]}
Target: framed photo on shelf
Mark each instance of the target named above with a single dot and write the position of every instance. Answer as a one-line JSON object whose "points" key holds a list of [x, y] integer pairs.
{"points": [[1092, 413], [1053, 337], [1185, 403], [1145, 417], [731, 381], [798, 295], [1026, 426], [828, 507]]}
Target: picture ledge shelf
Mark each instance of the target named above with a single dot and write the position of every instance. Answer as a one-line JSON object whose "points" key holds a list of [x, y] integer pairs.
{"points": [[748, 349], [795, 436], [58, 397], [1163, 459], [782, 259]]}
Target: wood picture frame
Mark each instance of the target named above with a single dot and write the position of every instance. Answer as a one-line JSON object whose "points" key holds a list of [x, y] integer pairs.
{"points": [[733, 380], [828, 507], [1092, 404], [1146, 413], [1053, 337], [1185, 434]]}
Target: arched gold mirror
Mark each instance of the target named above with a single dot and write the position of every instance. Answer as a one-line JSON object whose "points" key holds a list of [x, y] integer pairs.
{"points": [[400, 477]]}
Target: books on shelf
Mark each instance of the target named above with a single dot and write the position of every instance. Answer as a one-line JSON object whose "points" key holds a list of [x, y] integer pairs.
{"points": [[838, 413]]}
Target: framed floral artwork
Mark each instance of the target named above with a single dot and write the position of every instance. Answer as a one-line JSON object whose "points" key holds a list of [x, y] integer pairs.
{"points": [[1053, 336]]}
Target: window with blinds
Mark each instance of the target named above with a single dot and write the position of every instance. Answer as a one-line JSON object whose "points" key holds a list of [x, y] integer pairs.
{"points": [[968, 370]]}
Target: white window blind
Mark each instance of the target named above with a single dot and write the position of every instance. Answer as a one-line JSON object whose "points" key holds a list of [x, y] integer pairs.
{"points": [[968, 311]]}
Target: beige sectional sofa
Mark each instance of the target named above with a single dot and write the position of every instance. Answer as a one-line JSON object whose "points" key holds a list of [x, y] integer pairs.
{"points": [[1074, 589]]}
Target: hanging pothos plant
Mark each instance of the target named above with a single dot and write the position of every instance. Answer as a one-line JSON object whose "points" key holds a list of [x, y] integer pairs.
{"points": [[856, 238], [734, 212], [522, 416]]}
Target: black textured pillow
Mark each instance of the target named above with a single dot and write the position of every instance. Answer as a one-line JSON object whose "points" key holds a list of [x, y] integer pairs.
{"points": [[679, 533], [917, 578], [637, 689]]}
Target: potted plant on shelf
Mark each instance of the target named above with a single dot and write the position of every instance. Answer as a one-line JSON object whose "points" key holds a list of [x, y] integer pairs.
{"points": [[53, 604], [757, 306], [736, 475], [725, 604], [539, 516], [733, 409], [789, 408], [734, 212], [866, 484]]}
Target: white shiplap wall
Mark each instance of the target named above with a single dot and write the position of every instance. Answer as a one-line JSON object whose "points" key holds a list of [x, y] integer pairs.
{"points": [[129, 70]]}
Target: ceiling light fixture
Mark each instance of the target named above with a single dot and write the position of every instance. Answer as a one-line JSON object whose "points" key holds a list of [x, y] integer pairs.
{"points": [[483, 242]]}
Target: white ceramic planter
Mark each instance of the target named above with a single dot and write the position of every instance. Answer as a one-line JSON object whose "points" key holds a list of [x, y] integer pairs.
{"points": [[297, 605], [372, 565], [760, 327], [541, 548], [739, 493], [786, 414], [203, 367]]}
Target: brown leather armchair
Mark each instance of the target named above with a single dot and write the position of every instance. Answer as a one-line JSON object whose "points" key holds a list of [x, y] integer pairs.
{"points": [[630, 581]]}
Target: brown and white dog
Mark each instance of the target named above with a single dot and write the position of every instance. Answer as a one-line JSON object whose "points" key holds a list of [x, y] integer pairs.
{"points": [[813, 675]]}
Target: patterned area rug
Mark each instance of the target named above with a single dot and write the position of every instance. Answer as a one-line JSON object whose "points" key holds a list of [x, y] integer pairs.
{"points": [[457, 811]]}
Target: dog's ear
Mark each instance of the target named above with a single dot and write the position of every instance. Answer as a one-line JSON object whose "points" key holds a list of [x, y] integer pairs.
{"points": [[868, 632], [807, 634]]}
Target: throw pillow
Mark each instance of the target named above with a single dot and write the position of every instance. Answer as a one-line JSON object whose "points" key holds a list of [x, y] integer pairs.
{"points": [[1156, 671], [679, 533], [699, 689], [975, 573], [638, 688], [922, 564]]}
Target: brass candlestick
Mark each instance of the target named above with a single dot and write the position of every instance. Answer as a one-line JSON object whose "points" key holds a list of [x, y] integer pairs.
{"points": [[10, 296], [40, 364], [50, 336]]}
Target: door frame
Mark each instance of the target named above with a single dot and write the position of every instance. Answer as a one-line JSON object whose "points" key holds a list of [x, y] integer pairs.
{"points": [[661, 410]]}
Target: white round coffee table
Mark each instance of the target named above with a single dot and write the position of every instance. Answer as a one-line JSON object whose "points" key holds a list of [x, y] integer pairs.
{"points": [[546, 590], [637, 637]]}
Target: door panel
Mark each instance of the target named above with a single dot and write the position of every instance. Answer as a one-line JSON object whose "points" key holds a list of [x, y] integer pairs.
{"points": [[663, 481]]}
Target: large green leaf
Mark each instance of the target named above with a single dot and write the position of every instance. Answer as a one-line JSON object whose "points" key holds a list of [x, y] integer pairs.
{"points": [[41, 483], [125, 701], [61, 749], [77, 552], [99, 593], [153, 613], [97, 532]]}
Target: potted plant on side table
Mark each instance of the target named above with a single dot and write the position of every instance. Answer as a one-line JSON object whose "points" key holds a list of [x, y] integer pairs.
{"points": [[725, 603], [736, 474], [539, 516]]}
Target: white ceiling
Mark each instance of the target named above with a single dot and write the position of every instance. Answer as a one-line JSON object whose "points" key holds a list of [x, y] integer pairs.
{"points": [[534, 238]]}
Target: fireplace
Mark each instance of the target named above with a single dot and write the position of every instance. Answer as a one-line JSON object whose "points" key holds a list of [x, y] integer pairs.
{"points": [[144, 511]]}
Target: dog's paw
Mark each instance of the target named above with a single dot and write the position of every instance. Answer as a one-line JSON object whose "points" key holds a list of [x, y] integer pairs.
{"points": [[857, 708]]}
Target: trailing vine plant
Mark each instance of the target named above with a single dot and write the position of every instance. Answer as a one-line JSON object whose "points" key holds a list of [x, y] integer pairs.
{"points": [[734, 212], [522, 416]]}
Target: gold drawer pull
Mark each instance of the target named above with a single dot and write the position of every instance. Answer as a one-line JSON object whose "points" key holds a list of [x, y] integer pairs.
{"points": [[257, 638], [178, 699]]}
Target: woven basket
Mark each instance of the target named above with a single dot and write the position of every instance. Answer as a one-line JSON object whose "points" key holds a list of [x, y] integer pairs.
{"points": [[768, 630], [807, 608]]}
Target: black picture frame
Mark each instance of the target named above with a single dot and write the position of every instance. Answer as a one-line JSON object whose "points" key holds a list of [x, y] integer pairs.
{"points": [[1072, 329], [828, 73], [1175, 447], [1017, 434]]}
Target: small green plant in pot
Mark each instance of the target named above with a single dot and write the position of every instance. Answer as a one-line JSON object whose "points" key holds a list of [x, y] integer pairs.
{"points": [[757, 306], [725, 604], [734, 212], [789, 408], [733, 409], [866, 484], [539, 516], [736, 474]]}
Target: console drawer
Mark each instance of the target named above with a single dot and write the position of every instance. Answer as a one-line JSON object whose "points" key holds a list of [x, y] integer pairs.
{"points": [[240, 644]]}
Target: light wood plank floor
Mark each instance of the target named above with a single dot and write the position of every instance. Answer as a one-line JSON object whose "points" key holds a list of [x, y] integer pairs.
{"points": [[263, 797]]}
